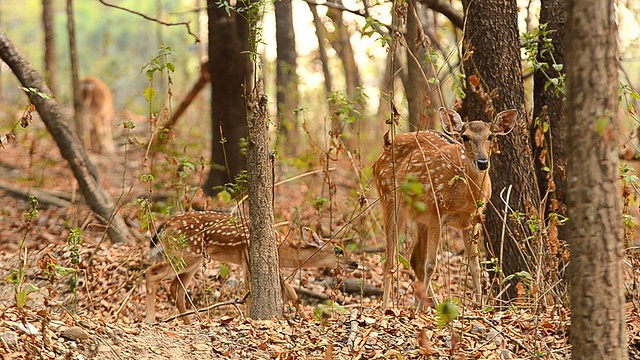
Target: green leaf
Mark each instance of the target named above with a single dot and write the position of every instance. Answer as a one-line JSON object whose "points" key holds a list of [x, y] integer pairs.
{"points": [[149, 93], [447, 312]]}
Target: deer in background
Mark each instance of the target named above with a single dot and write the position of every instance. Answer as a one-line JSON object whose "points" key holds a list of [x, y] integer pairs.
{"points": [[186, 238], [97, 104], [436, 179]]}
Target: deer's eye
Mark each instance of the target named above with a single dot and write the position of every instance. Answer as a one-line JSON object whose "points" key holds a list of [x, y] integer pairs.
{"points": [[338, 250], [491, 137], [465, 138]]}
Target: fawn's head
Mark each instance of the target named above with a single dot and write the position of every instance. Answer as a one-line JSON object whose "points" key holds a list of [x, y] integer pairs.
{"points": [[477, 136]]}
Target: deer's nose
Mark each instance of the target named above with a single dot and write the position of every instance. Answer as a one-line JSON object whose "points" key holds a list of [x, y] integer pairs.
{"points": [[483, 164]]}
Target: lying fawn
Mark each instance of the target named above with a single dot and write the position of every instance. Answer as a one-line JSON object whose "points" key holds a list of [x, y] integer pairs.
{"points": [[436, 180], [186, 238]]}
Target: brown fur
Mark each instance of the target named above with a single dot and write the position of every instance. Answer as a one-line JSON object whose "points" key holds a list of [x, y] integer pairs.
{"points": [[97, 103]]}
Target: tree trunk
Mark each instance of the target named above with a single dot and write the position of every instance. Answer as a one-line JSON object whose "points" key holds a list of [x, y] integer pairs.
{"points": [[203, 79], [492, 55], [81, 130], [416, 88], [70, 147], [598, 327], [266, 295], [321, 34], [286, 78], [49, 45], [548, 146], [229, 69]]}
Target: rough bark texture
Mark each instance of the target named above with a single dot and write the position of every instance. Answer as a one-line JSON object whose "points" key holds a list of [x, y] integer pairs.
{"points": [[49, 45], [229, 69], [598, 327], [286, 77], [70, 146], [266, 295], [548, 147], [492, 54], [549, 108]]}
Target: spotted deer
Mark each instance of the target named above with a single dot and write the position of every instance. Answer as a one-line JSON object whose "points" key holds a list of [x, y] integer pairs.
{"points": [[97, 103], [186, 238], [436, 179]]}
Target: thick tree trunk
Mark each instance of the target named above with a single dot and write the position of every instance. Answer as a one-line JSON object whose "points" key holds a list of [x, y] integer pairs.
{"points": [[49, 45], [70, 147], [598, 326], [230, 70], [286, 77], [492, 55], [266, 295]]}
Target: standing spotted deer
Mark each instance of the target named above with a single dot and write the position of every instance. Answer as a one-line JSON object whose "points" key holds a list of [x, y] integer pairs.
{"points": [[186, 238], [97, 103], [436, 179]]}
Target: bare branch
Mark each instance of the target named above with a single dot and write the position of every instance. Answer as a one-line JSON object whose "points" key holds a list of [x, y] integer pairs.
{"points": [[447, 10], [185, 23]]}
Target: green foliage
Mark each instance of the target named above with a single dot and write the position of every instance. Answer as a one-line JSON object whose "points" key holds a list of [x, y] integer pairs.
{"points": [[447, 312], [538, 43], [326, 311], [412, 191]]}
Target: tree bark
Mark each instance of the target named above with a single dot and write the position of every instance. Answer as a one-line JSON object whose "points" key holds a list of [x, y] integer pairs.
{"points": [[548, 147], [286, 77], [49, 44], [266, 294], [321, 34], [416, 89], [81, 130], [229, 69], [70, 146], [492, 55], [598, 327]]}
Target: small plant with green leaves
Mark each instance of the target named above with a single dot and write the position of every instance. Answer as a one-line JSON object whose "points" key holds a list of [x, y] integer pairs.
{"points": [[539, 43], [327, 311], [16, 276]]}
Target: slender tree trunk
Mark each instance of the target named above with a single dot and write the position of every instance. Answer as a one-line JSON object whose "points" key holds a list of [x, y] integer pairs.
{"points": [[229, 68], [286, 77], [416, 89], [492, 56], [49, 44], [598, 326], [321, 34], [266, 294], [70, 147], [548, 146], [81, 129]]}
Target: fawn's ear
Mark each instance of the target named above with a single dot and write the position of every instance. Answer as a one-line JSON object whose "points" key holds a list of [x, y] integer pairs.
{"points": [[311, 238], [451, 121], [504, 122]]}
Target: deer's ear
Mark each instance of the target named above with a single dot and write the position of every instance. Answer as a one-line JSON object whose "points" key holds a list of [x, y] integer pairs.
{"points": [[504, 122], [311, 238], [451, 121]]}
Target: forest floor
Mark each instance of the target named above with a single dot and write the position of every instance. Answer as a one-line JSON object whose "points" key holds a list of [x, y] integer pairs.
{"points": [[103, 316]]}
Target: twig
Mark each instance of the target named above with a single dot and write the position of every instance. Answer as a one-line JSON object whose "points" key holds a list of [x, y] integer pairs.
{"points": [[507, 335], [185, 23], [124, 302], [234, 303], [353, 331]]}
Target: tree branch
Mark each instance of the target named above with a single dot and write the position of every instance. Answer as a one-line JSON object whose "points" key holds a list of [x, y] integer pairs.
{"points": [[447, 10], [185, 23]]}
